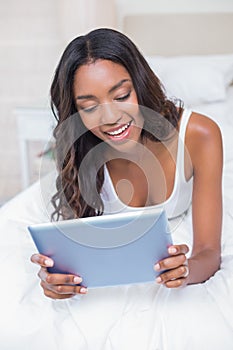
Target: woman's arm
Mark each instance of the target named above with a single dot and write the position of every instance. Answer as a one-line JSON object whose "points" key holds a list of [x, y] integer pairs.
{"points": [[205, 148], [204, 144]]}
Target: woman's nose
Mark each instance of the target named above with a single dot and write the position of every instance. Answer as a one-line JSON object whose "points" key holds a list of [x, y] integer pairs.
{"points": [[110, 114]]}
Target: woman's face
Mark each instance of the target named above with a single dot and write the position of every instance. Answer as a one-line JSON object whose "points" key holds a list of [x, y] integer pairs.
{"points": [[107, 103]]}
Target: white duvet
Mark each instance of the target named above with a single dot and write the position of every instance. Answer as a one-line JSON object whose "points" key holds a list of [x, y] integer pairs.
{"points": [[145, 317]]}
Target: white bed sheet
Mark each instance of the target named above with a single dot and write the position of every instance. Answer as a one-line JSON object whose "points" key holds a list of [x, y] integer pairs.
{"points": [[147, 317]]}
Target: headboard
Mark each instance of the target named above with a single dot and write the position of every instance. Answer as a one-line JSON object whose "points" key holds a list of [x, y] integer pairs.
{"points": [[181, 34]]}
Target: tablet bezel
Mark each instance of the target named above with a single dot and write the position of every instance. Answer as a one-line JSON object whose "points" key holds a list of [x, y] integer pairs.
{"points": [[111, 265]]}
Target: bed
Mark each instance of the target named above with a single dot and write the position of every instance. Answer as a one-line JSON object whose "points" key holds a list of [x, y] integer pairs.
{"points": [[201, 73]]}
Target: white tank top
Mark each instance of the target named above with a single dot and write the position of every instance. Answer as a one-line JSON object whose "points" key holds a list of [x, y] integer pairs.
{"points": [[181, 196]]}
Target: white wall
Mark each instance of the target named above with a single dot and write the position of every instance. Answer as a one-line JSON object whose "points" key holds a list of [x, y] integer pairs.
{"points": [[80, 16], [29, 45], [125, 7]]}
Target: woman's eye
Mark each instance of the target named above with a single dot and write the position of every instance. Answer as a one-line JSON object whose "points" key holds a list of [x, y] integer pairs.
{"points": [[122, 98], [89, 110]]}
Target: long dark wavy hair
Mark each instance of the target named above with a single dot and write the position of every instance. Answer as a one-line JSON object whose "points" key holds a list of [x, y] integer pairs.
{"points": [[108, 44]]}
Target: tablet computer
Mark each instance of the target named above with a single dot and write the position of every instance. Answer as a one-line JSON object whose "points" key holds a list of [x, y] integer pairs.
{"points": [[106, 250]]}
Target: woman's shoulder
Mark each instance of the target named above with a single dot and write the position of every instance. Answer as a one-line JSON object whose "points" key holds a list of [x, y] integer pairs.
{"points": [[203, 141], [201, 129]]}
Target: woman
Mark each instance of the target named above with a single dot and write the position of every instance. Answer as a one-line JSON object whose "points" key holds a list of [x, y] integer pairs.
{"points": [[122, 145], [103, 78]]}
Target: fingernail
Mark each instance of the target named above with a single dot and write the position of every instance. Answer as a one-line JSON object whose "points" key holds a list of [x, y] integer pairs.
{"points": [[77, 279], [157, 267], [83, 290], [48, 262], [172, 250], [158, 279]]}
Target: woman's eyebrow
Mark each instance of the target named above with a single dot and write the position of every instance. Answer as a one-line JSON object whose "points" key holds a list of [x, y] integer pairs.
{"points": [[84, 97], [118, 85], [113, 88]]}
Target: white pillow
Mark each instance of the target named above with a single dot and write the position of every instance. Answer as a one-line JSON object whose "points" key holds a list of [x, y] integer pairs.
{"points": [[194, 79]]}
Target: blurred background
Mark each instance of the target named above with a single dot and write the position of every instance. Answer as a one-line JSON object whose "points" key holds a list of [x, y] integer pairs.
{"points": [[33, 34]]}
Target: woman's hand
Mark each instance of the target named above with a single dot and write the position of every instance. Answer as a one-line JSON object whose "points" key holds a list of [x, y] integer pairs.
{"points": [[175, 266], [55, 285]]}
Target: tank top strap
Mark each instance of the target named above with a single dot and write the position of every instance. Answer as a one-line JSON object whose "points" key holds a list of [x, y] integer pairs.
{"points": [[181, 143]]}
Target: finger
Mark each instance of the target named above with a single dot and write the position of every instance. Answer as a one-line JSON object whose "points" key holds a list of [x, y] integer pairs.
{"points": [[50, 294], [64, 289], [178, 249], [42, 260], [171, 263], [175, 274], [187, 271], [58, 278], [181, 282]]}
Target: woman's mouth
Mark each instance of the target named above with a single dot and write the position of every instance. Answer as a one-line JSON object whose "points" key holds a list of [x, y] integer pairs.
{"points": [[120, 133]]}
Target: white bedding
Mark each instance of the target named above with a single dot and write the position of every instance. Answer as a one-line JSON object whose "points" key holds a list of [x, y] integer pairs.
{"points": [[145, 317]]}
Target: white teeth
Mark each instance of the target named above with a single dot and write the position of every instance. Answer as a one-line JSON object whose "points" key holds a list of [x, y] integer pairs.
{"points": [[119, 131]]}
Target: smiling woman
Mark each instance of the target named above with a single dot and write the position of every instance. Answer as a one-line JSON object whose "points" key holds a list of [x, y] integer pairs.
{"points": [[105, 85], [104, 81]]}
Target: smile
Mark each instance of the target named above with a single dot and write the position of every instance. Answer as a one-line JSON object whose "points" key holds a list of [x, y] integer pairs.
{"points": [[119, 131]]}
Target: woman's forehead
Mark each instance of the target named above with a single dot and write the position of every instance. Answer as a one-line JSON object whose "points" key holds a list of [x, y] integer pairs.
{"points": [[99, 74]]}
